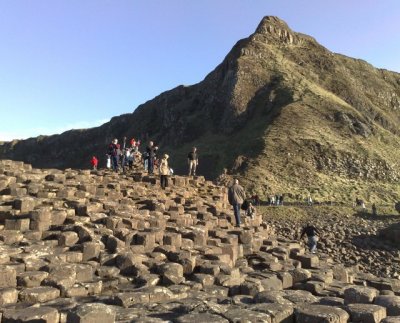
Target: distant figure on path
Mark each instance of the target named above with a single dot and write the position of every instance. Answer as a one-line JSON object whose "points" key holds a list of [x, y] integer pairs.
{"points": [[272, 200], [164, 171], [236, 197], [193, 161], [94, 162], [374, 213], [311, 233]]}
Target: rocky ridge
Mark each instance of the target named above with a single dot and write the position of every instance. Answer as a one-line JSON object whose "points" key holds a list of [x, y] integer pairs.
{"points": [[84, 246], [281, 111]]}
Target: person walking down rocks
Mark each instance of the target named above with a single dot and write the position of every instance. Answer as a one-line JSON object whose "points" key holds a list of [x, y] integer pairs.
{"points": [[113, 151], [193, 161], [311, 232], [151, 155], [94, 162], [236, 197], [164, 171]]}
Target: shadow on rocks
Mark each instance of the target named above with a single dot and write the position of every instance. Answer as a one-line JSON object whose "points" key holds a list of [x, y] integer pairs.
{"points": [[371, 217]]}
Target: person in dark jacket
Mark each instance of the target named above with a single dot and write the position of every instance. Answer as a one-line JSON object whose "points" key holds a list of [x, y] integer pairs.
{"points": [[193, 161], [236, 197], [151, 151], [311, 232], [113, 151]]}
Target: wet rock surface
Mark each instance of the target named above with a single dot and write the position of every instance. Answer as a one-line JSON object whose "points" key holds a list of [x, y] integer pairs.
{"points": [[82, 246]]}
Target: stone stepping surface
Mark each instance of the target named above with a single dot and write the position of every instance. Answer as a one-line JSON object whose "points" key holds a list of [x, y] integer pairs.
{"points": [[95, 246]]}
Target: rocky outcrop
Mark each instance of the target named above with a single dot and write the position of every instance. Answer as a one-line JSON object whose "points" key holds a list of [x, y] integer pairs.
{"points": [[278, 98], [85, 246]]}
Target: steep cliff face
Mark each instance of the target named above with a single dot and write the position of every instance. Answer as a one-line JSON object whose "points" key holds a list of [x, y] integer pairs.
{"points": [[281, 111]]}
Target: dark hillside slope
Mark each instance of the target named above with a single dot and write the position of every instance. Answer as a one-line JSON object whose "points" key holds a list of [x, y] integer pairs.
{"points": [[281, 111]]}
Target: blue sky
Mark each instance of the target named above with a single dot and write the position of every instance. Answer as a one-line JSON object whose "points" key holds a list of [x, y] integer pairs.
{"points": [[75, 64]]}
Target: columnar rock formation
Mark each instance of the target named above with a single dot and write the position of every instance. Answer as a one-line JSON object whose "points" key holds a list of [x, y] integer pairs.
{"points": [[85, 246]]}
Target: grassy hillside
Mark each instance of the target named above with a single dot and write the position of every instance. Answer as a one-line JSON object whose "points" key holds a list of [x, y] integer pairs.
{"points": [[281, 112]]}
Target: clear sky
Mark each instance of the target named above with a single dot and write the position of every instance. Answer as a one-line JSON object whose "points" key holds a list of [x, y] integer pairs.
{"points": [[76, 63]]}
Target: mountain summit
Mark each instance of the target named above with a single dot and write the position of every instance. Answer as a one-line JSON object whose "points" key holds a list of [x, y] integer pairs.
{"points": [[281, 111]]}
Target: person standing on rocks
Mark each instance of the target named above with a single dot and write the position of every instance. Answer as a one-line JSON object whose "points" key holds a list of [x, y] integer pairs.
{"points": [[164, 171], [236, 197], [151, 155], [193, 161], [113, 151], [251, 211], [133, 143], [311, 233], [94, 162]]}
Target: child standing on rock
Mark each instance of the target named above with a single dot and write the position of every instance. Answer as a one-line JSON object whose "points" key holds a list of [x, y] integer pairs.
{"points": [[164, 171], [94, 162]]}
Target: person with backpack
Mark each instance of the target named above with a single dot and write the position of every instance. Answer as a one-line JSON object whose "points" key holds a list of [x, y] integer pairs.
{"points": [[113, 151], [164, 171], [311, 232], [236, 197]]}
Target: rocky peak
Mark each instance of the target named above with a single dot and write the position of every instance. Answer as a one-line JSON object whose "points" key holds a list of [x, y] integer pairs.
{"points": [[276, 29]]}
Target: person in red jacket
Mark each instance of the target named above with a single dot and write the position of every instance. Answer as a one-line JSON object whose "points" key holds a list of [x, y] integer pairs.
{"points": [[94, 162]]}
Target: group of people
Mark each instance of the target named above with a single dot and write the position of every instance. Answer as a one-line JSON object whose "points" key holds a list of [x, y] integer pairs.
{"points": [[237, 198], [124, 156], [275, 200], [121, 157]]}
